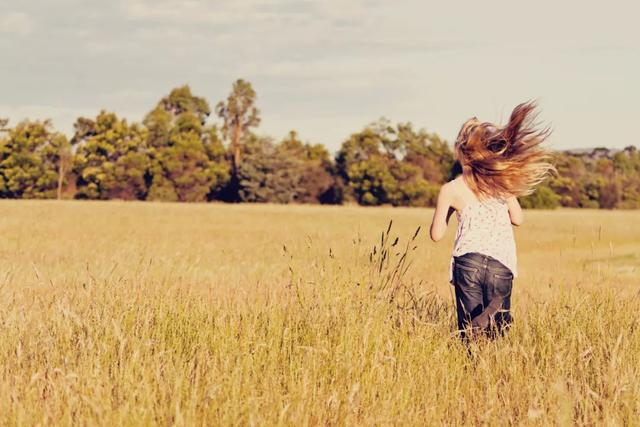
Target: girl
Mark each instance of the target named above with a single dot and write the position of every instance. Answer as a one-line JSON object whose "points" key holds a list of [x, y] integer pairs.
{"points": [[498, 165]]}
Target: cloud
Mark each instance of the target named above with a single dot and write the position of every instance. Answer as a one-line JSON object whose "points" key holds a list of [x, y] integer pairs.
{"points": [[324, 67], [16, 23], [193, 11], [225, 11]]}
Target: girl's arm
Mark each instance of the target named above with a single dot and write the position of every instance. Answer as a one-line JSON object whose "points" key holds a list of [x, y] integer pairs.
{"points": [[515, 211], [442, 213]]}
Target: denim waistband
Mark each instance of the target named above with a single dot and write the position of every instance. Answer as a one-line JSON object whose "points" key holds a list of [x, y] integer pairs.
{"points": [[481, 261]]}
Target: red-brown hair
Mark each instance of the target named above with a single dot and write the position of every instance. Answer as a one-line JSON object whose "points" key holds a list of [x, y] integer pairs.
{"points": [[504, 161]]}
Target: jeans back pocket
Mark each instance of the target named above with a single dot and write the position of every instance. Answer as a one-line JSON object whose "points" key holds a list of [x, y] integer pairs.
{"points": [[502, 283], [465, 275]]}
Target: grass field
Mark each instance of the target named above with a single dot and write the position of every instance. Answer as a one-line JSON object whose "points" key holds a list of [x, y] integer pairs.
{"points": [[141, 314]]}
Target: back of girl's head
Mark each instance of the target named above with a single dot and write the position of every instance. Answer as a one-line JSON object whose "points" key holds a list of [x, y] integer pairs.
{"points": [[502, 161]]}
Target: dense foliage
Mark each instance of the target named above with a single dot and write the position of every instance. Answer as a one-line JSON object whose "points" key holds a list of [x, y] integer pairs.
{"points": [[382, 164], [32, 160], [178, 154], [111, 158]]}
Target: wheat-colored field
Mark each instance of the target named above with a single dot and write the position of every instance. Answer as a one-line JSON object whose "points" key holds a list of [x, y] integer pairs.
{"points": [[176, 314]]}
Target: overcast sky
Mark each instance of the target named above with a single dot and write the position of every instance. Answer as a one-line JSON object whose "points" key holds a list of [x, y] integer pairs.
{"points": [[328, 68]]}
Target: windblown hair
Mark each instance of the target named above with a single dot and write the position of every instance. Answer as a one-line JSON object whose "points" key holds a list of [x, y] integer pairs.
{"points": [[504, 161]]}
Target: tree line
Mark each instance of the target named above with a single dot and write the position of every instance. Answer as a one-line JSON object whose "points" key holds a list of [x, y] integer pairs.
{"points": [[178, 153]]}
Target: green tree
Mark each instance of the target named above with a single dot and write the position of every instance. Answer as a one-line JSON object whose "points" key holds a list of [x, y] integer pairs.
{"points": [[268, 174], [542, 198], [111, 158], [32, 156], [382, 164], [569, 184], [427, 151], [318, 183], [187, 157], [600, 178]]}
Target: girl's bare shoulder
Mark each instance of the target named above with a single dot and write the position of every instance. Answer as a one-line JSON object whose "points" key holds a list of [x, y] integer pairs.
{"points": [[448, 187], [449, 194], [451, 186]]}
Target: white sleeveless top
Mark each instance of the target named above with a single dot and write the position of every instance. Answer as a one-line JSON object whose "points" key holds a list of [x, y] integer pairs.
{"points": [[484, 226]]}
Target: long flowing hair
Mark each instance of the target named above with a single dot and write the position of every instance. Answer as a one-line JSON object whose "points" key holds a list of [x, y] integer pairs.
{"points": [[503, 161]]}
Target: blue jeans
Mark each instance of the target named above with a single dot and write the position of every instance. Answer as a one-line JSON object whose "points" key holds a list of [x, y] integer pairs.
{"points": [[483, 293]]}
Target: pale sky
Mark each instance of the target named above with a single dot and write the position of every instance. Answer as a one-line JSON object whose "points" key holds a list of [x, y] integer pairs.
{"points": [[328, 68]]}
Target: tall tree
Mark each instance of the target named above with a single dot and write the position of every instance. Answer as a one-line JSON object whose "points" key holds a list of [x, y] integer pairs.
{"points": [[239, 114], [30, 160], [187, 157], [64, 166], [111, 158]]}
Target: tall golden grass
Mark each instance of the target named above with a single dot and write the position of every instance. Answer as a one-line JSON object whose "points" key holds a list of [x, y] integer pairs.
{"points": [[144, 314]]}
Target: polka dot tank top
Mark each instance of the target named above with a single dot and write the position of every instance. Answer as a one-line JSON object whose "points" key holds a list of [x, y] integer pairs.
{"points": [[484, 226]]}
